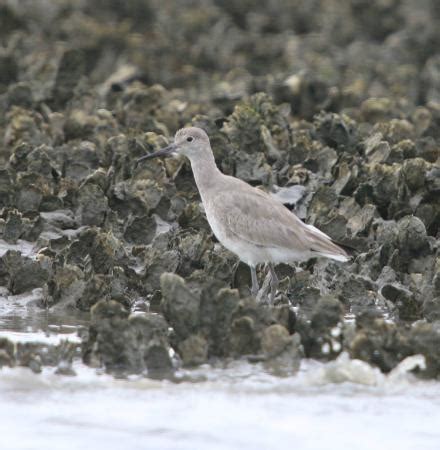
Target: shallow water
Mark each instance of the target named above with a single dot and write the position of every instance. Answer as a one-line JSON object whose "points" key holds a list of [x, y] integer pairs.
{"points": [[344, 404], [238, 407]]}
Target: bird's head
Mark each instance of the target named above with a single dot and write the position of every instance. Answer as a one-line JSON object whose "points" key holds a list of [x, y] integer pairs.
{"points": [[191, 142]]}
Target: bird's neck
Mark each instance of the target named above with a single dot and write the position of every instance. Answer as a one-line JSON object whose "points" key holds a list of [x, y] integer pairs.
{"points": [[206, 172]]}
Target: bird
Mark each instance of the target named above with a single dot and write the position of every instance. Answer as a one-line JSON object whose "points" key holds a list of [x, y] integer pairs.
{"points": [[249, 222]]}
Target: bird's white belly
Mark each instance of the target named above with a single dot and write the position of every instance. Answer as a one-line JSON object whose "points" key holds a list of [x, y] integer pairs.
{"points": [[250, 253]]}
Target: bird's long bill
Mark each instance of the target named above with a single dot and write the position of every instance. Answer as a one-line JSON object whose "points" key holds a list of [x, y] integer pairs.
{"points": [[162, 152]]}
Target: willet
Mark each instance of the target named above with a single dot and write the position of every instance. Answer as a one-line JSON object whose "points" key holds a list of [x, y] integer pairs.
{"points": [[246, 220]]}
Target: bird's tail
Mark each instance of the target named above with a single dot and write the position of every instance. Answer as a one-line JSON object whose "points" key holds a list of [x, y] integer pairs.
{"points": [[322, 245]]}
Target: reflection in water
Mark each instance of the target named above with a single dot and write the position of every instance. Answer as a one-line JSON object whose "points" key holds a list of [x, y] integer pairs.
{"points": [[21, 313]]}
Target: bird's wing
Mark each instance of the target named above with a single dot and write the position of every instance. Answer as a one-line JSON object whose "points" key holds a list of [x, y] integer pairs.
{"points": [[256, 217]]}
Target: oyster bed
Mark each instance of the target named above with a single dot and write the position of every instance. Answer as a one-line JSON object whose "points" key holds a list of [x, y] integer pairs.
{"points": [[333, 106]]}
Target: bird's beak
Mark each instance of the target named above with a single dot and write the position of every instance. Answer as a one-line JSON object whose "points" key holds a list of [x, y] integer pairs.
{"points": [[170, 149]]}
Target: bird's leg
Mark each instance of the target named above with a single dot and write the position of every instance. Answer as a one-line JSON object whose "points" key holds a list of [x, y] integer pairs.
{"points": [[274, 282], [255, 288]]}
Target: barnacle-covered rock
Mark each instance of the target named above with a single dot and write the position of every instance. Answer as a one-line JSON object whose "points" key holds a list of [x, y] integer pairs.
{"points": [[71, 67], [80, 160], [96, 249], [376, 149], [253, 168], [306, 92], [360, 222], [326, 314], [336, 131], [408, 307], [221, 264], [20, 94], [79, 125], [7, 357], [24, 125], [359, 293], [282, 351], [383, 188], [66, 286], [216, 311], [248, 323], [35, 355], [193, 350], [431, 80], [180, 306], [140, 230], [13, 228], [149, 108], [323, 201], [6, 188], [396, 130], [376, 109], [380, 344], [97, 287], [31, 188], [155, 262], [321, 337], [431, 309], [23, 274], [191, 249], [92, 205], [371, 17], [414, 172], [245, 127], [189, 214], [411, 238], [212, 322], [10, 69], [425, 339], [126, 344]]}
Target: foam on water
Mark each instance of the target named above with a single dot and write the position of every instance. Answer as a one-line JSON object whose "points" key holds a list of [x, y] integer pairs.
{"points": [[238, 407]]}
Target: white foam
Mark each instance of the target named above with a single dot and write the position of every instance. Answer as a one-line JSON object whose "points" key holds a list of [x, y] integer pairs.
{"points": [[240, 407]]}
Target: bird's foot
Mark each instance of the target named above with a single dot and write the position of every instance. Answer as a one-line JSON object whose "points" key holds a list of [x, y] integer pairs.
{"points": [[254, 292], [255, 288], [274, 282], [263, 296]]}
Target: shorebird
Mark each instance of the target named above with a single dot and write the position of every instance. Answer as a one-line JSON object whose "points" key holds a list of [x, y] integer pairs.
{"points": [[247, 221]]}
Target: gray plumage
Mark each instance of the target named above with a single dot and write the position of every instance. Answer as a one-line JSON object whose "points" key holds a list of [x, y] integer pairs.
{"points": [[246, 220]]}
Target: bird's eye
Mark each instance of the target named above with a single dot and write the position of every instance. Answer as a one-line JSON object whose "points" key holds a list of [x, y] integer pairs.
{"points": [[189, 139]]}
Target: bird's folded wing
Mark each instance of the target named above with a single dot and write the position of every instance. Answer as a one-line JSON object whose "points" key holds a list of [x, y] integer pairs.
{"points": [[261, 220], [257, 218]]}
